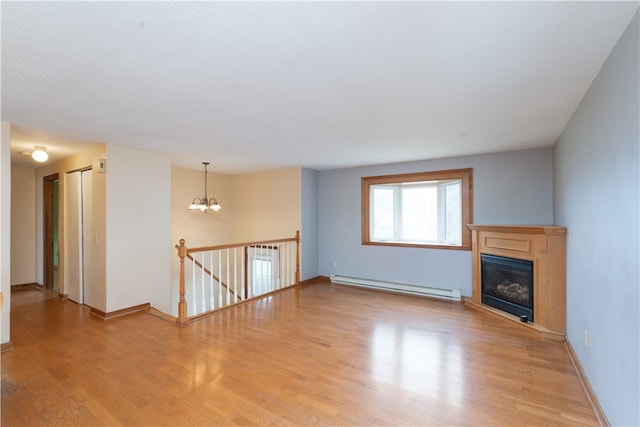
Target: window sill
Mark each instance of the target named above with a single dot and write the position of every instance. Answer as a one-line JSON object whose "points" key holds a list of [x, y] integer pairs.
{"points": [[418, 245]]}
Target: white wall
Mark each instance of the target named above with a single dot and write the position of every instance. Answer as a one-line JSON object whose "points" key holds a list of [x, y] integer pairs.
{"points": [[309, 232], [5, 230], [597, 198], [23, 225], [508, 188], [138, 224]]}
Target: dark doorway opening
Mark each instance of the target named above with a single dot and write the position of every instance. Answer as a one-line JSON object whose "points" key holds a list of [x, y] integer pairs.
{"points": [[50, 192]]}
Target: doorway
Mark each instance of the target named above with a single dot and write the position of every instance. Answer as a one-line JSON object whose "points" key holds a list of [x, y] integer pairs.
{"points": [[50, 191]]}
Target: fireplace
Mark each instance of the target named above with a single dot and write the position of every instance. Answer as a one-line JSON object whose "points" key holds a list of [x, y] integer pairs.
{"points": [[507, 284], [543, 246]]}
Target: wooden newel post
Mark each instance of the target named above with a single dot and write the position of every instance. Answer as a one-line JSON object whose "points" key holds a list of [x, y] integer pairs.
{"points": [[182, 304], [297, 257]]}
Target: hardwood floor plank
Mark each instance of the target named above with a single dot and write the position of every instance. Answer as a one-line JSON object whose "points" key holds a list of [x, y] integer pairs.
{"points": [[314, 355]]}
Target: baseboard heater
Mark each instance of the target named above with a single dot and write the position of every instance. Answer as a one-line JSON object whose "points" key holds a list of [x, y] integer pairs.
{"points": [[448, 294]]}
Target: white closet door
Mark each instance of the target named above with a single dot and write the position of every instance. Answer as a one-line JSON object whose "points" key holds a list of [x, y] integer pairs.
{"points": [[87, 237], [73, 236]]}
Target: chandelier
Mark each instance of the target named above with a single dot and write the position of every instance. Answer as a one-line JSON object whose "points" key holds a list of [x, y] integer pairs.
{"points": [[205, 204]]}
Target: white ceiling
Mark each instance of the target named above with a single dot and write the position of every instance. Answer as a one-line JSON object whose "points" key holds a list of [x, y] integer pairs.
{"points": [[253, 86]]}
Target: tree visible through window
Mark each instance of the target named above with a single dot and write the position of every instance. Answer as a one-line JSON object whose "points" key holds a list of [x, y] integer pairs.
{"points": [[428, 209]]}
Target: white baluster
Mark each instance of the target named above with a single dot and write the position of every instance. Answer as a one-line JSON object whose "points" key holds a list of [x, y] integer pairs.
{"points": [[277, 252], [290, 263], [194, 310], [212, 303], [203, 302], [294, 260], [287, 263], [220, 278], [253, 269], [242, 278], [263, 285], [228, 289], [282, 264], [235, 276]]}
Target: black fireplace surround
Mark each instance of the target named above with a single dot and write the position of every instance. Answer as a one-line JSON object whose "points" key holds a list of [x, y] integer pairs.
{"points": [[507, 284]]}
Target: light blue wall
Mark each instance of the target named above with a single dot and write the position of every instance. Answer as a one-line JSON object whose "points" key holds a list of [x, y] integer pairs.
{"points": [[509, 188], [597, 199], [309, 232]]}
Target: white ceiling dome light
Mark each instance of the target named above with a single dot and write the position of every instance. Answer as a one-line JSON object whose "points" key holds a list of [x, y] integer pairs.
{"points": [[39, 154]]}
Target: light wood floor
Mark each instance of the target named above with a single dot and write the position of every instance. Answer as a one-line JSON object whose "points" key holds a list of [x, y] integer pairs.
{"points": [[317, 355]]}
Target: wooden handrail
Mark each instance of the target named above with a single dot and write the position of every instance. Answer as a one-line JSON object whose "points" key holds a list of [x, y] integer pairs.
{"points": [[185, 252], [239, 245]]}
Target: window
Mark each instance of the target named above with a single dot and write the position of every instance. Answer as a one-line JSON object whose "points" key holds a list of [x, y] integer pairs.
{"points": [[426, 209], [263, 270]]}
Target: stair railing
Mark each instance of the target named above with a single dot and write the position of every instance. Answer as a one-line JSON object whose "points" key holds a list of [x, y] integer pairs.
{"points": [[224, 275]]}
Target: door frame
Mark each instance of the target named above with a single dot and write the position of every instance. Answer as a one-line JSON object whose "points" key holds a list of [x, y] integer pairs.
{"points": [[48, 228]]}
